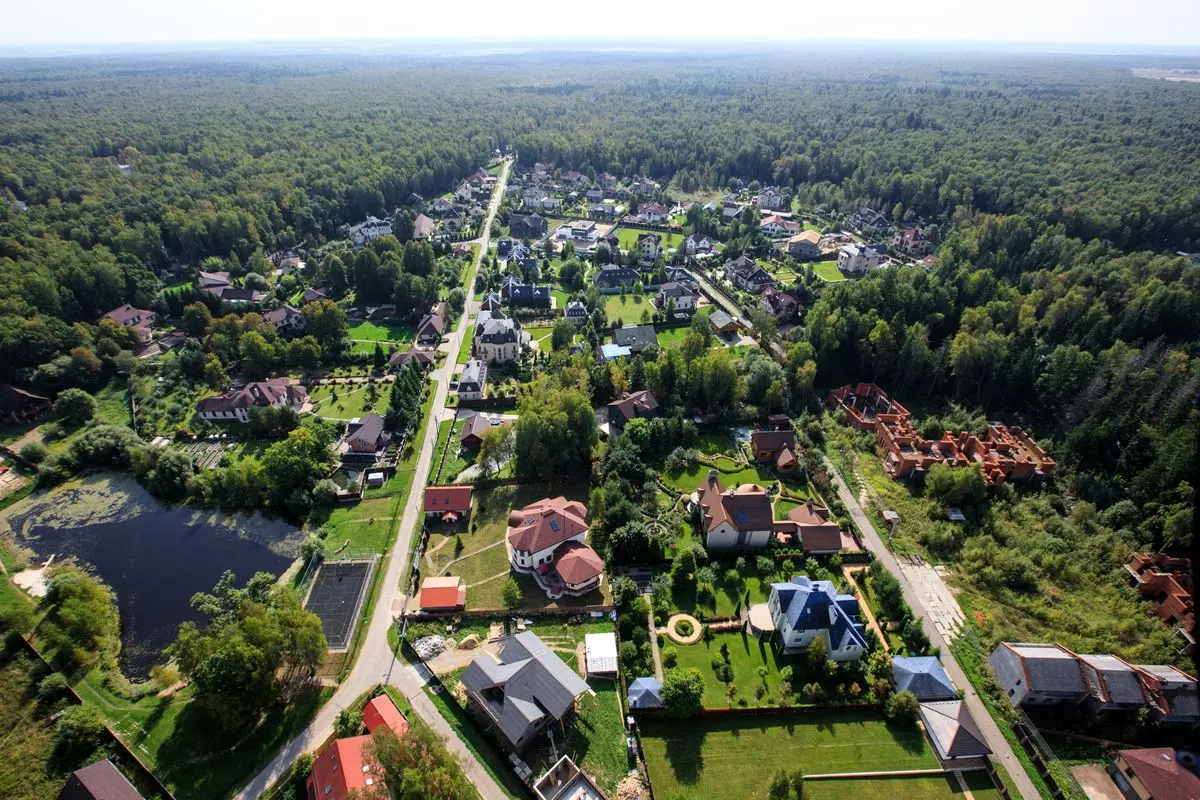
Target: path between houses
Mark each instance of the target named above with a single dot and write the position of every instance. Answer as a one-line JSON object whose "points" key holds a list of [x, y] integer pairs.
{"points": [[865, 607], [1001, 750], [658, 668]]}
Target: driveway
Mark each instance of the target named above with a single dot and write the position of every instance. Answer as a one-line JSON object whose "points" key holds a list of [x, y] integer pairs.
{"points": [[913, 595]]}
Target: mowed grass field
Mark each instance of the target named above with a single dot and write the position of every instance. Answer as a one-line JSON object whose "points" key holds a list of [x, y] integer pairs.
{"points": [[827, 271], [733, 758], [352, 400], [628, 307], [381, 332], [916, 787], [627, 237], [366, 525], [746, 654]]}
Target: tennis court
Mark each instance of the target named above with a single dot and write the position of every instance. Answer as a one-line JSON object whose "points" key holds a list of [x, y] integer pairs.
{"points": [[337, 596]]}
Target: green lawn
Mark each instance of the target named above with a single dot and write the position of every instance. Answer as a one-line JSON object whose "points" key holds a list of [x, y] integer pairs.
{"points": [[352, 400], [483, 561], [366, 525], [627, 238], [931, 787], [746, 654], [381, 332], [827, 270], [464, 349], [542, 332], [672, 337], [628, 307], [731, 475], [169, 736], [731, 758]]}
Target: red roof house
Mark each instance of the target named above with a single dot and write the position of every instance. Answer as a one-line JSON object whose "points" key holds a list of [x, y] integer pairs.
{"points": [[344, 766], [450, 503], [443, 594], [546, 539]]}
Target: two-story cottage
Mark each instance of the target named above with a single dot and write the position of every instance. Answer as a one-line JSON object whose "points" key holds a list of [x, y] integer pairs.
{"points": [[139, 320], [576, 312], [868, 219], [780, 304], [285, 319], [698, 245], [472, 383], [775, 225], [739, 517], [769, 198], [804, 609], [365, 436], [546, 539], [675, 295], [775, 447], [913, 242], [745, 273], [654, 213], [234, 406], [611, 276], [370, 229], [430, 330], [636, 405], [804, 246], [857, 259], [531, 226], [1035, 674], [649, 247], [636, 337]]}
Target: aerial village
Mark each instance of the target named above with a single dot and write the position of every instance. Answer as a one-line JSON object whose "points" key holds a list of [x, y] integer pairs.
{"points": [[721, 586]]}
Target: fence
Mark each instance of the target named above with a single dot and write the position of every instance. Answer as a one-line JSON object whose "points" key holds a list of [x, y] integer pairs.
{"points": [[1057, 776], [145, 774]]}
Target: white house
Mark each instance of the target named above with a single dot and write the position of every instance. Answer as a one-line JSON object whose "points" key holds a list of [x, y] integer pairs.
{"points": [[649, 247], [769, 198], [473, 381], [498, 341], [285, 319], [372, 228], [653, 212], [858, 259], [738, 517], [775, 225], [679, 295], [804, 609], [234, 406], [546, 539], [698, 245]]}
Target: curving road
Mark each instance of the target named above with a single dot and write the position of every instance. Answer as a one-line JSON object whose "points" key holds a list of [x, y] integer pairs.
{"points": [[376, 664]]}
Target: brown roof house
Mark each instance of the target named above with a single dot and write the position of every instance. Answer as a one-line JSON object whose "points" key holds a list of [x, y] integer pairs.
{"points": [[815, 530], [420, 356], [471, 435], [1167, 581], [430, 330], [235, 405], [449, 503], [139, 320], [777, 448], [1154, 774], [18, 405], [780, 304], [99, 781], [612, 417], [546, 539], [739, 517], [365, 436]]}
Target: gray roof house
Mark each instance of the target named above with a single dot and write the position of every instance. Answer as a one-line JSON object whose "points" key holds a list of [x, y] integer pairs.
{"points": [[1113, 684], [523, 689], [636, 337], [1038, 674], [473, 379], [803, 609], [924, 676], [953, 730], [611, 276]]}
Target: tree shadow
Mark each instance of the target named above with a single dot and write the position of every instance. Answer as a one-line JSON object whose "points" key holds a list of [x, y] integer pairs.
{"points": [[685, 754]]}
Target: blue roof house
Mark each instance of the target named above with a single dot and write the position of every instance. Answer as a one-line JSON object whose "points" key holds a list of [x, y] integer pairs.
{"points": [[804, 609], [645, 693], [924, 676]]}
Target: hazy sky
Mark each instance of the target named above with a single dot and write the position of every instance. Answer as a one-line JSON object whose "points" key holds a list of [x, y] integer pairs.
{"points": [[1142, 22]]}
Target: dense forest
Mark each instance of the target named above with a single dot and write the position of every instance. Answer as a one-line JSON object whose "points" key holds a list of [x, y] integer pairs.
{"points": [[1058, 186]]}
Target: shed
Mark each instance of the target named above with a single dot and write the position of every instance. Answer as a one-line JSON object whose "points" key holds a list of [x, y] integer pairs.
{"points": [[645, 693], [443, 594], [600, 652], [99, 781], [375, 479], [924, 676], [953, 731]]}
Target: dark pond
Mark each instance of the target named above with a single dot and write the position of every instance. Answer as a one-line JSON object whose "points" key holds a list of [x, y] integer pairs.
{"points": [[154, 557]]}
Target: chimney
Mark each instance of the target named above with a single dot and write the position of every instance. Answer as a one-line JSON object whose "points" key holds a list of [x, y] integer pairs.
{"points": [[809, 504], [712, 476]]}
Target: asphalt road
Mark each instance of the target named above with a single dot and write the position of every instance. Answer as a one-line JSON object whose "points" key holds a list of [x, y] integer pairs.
{"points": [[376, 663], [1001, 751]]}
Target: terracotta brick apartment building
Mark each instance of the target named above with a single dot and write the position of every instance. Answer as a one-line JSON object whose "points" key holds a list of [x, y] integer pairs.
{"points": [[1168, 581], [1004, 454]]}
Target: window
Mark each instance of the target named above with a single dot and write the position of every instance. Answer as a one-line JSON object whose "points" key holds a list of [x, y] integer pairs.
{"points": [[554, 525], [329, 788]]}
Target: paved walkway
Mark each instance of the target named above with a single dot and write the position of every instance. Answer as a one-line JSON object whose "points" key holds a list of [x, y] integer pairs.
{"points": [[864, 607], [376, 663], [1001, 751], [658, 669]]}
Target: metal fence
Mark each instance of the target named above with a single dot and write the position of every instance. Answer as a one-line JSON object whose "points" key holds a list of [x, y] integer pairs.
{"points": [[1050, 767]]}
